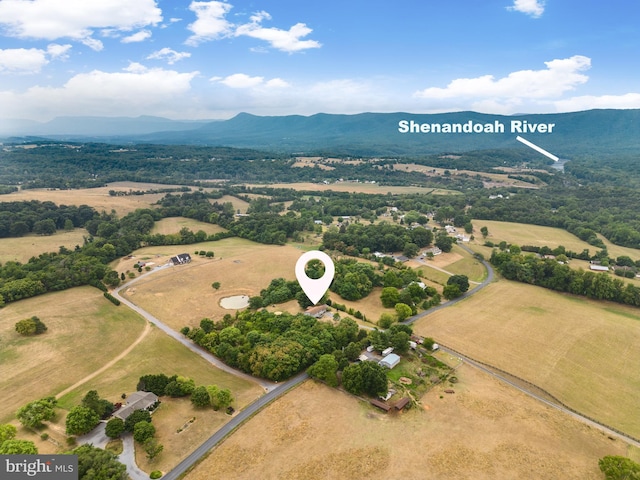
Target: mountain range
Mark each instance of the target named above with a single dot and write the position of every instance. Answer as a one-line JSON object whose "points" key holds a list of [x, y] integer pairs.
{"points": [[592, 132]]}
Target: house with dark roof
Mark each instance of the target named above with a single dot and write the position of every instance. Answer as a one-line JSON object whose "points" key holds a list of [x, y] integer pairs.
{"points": [[181, 259], [136, 401]]}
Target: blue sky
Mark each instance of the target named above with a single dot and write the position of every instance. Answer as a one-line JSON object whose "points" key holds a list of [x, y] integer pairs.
{"points": [[187, 59]]}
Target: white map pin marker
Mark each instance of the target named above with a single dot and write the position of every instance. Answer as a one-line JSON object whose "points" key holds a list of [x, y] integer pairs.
{"points": [[315, 288]]}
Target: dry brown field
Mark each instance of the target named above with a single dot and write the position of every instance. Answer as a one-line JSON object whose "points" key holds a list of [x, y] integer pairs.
{"points": [[523, 234], [171, 225], [485, 430], [238, 203], [84, 331], [357, 187], [489, 179], [21, 249], [585, 353], [183, 295], [97, 198]]}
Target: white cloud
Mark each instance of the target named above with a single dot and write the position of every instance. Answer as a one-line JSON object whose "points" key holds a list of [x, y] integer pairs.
{"points": [[140, 36], [75, 19], [244, 81], [135, 91], [22, 60], [210, 23], [284, 40], [533, 8], [560, 76], [58, 51], [171, 56], [31, 60], [588, 102]]}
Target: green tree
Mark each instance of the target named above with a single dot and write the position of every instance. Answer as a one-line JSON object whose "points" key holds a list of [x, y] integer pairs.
{"points": [[99, 405], [44, 227], [222, 399], [7, 432], [616, 467], [216, 285], [444, 242], [451, 291], [389, 297], [484, 231], [81, 420], [114, 428], [152, 448], [411, 249], [18, 447], [386, 320], [34, 413], [325, 369], [400, 342], [97, 464], [200, 397], [461, 280], [143, 431], [365, 377], [403, 311], [135, 417], [30, 326]]}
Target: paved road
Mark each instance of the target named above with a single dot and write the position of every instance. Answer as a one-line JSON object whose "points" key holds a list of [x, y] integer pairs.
{"points": [[266, 384], [234, 423]]}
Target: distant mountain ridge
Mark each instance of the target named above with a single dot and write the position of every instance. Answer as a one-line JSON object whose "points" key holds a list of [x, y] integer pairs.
{"points": [[598, 132]]}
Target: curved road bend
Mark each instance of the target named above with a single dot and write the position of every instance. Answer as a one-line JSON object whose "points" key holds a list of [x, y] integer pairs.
{"points": [[267, 385], [487, 281]]}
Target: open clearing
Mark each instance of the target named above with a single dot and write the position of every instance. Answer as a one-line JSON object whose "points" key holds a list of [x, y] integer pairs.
{"points": [[357, 187], [183, 295], [171, 225], [97, 198], [523, 234], [84, 331], [586, 353], [21, 249], [484, 431]]}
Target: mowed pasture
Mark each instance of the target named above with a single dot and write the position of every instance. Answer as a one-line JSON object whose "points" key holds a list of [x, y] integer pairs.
{"points": [[21, 249], [183, 295], [172, 225], [523, 234], [97, 198], [84, 332], [586, 353], [485, 430], [358, 187]]}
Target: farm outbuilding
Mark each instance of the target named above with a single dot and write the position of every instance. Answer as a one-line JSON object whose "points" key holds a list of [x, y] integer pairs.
{"points": [[390, 361]]}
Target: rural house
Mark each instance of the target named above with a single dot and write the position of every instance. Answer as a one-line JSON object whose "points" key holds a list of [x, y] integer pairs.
{"points": [[317, 311], [136, 401], [180, 259]]}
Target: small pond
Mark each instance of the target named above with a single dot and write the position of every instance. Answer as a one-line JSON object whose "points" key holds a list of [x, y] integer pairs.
{"points": [[236, 302]]}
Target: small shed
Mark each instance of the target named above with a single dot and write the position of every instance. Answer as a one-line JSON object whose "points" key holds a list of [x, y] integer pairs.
{"points": [[387, 351], [390, 361]]}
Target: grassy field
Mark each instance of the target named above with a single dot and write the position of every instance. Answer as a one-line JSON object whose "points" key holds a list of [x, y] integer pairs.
{"points": [[21, 249], [238, 203], [183, 295], [523, 234], [484, 431], [97, 198], [360, 188], [84, 331], [584, 352], [170, 225]]}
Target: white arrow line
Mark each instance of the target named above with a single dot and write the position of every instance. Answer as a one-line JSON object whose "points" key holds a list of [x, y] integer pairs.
{"points": [[537, 148]]}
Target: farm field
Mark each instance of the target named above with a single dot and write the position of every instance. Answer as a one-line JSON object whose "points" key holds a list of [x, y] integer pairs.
{"points": [[238, 203], [357, 187], [84, 331], [21, 249], [484, 431], [584, 352], [97, 198], [183, 295], [172, 225], [523, 234]]}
